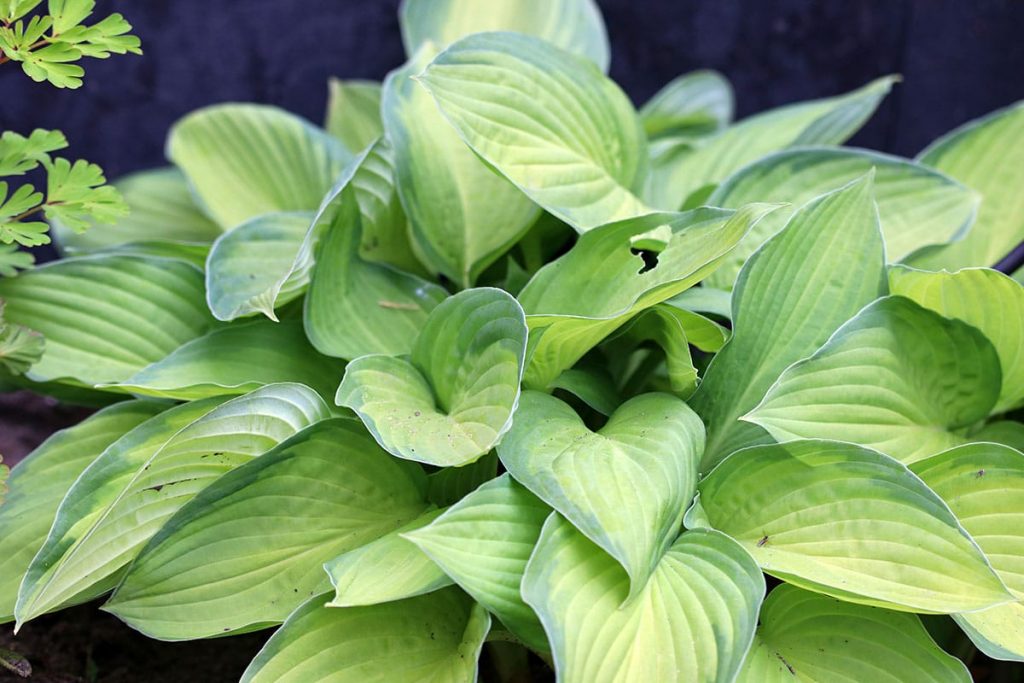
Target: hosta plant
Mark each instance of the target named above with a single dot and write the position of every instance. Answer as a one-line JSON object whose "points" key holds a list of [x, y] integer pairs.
{"points": [[497, 372]]}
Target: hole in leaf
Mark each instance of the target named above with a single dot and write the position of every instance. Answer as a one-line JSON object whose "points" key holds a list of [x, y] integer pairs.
{"points": [[648, 256]]}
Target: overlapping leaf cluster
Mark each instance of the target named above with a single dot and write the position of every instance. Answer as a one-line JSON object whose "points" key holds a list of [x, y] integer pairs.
{"points": [[498, 359]]}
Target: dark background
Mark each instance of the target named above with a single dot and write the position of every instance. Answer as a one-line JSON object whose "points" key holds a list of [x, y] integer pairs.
{"points": [[959, 59]]}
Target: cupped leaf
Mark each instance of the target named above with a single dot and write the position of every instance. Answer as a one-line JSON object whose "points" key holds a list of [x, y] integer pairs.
{"points": [[238, 359], [244, 160], [106, 317], [353, 112], [452, 400], [986, 155], [984, 486], [689, 165], [439, 179], [569, 311], [664, 326], [809, 637], [898, 378], [693, 621], [387, 569], [983, 298], [625, 486], [354, 307], [917, 206], [484, 542], [38, 484], [250, 548], [849, 522], [124, 497], [547, 121], [792, 294], [245, 266], [697, 103], [160, 208], [573, 25], [433, 638]]}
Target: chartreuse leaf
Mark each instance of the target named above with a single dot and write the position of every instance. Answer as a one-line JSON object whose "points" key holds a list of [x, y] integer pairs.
{"points": [[1006, 432], [663, 325], [693, 621], [791, 295], [813, 638], [452, 400], [848, 522], [144, 477], [690, 165], [916, 205], [245, 266], [353, 112], [547, 121], [986, 155], [573, 25], [897, 378], [984, 486], [433, 638], [625, 486], [354, 307], [593, 385], [387, 569], [484, 542], [244, 160], [439, 178], [569, 311], [697, 103], [326, 490], [160, 207], [238, 359], [983, 298], [39, 482], [106, 317]]}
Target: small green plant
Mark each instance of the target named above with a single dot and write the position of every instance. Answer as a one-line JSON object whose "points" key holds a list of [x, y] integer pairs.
{"points": [[502, 365]]}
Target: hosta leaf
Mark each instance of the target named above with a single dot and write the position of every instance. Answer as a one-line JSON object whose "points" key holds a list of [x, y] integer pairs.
{"points": [[664, 326], [439, 178], [573, 25], [106, 317], [453, 398], [897, 378], [235, 360], [625, 486], [983, 298], [243, 160], [696, 103], [144, 477], [813, 638], [250, 268], [693, 621], [354, 307], [986, 155], [569, 311], [916, 205], [433, 638], [547, 121], [40, 481], [1006, 432], [693, 164], [20, 346], [849, 522], [791, 295], [250, 548], [160, 206], [591, 384], [390, 568], [984, 486], [484, 542], [353, 112]]}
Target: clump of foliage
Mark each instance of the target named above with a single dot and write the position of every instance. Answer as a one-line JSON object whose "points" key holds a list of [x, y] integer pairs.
{"points": [[499, 360]]}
